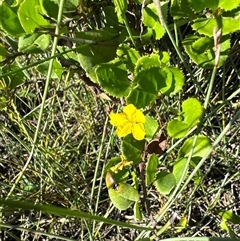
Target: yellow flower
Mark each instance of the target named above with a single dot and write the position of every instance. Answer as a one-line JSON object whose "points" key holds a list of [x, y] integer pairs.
{"points": [[118, 167], [130, 121]]}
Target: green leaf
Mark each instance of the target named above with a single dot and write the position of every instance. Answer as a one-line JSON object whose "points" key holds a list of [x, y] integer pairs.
{"points": [[202, 146], [201, 50], [121, 6], [165, 182], [214, 4], [151, 127], [111, 17], [146, 62], [181, 9], [49, 8], [128, 56], [175, 81], [164, 57], [30, 16], [34, 43], [151, 169], [228, 5], [113, 78], [202, 4], [57, 69], [205, 25], [177, 129], [191, 113], [3, 52], [118, 201], [132, 149], [148, 83], [127, 191], [227, 229], [178, 169], [229, 216], [9, 21], [90, 56], [150, 19]]}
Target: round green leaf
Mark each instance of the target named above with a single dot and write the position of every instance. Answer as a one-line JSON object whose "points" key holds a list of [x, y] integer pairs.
{"points": [[175, 81], [148, 83], [146, 62], [90, 56], [127, 191], [118, 201], [191, 113], [177, 129], [165, 182], [112, 77]]}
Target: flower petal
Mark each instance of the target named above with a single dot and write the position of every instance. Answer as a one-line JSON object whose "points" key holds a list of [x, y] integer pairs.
{"points": [[124, 130], [130, 111], [118, 119], [138, 131], [139, 117]]}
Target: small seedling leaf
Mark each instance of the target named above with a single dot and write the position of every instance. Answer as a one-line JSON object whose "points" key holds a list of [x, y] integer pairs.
{"points": [[177, 129]]}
